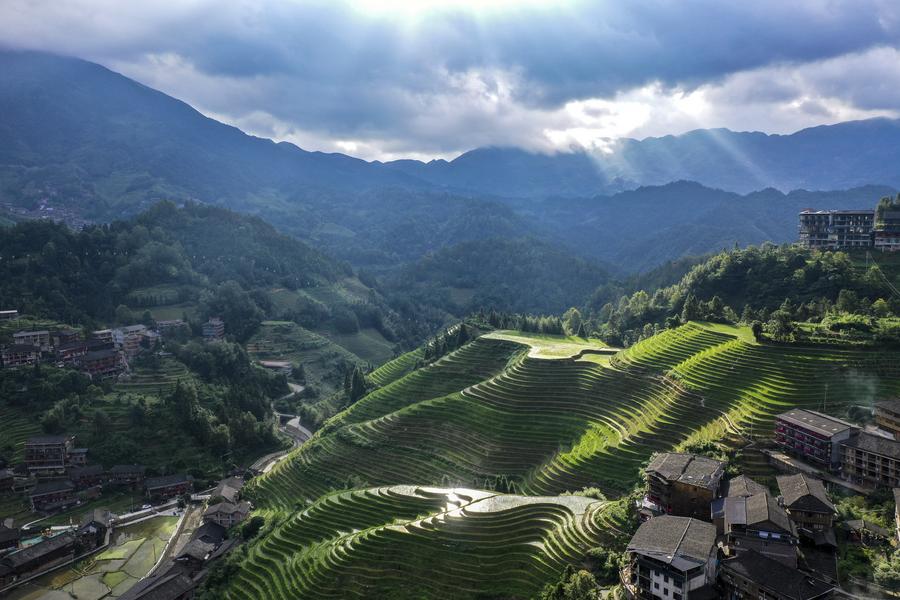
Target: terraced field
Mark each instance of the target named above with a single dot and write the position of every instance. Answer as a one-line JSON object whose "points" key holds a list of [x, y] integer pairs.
{"points": [[160, 381], [419, 542], [395, 369], [525, 414], [17, 426]]}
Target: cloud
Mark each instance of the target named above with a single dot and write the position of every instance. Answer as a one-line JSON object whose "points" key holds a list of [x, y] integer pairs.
{"points": [[383, 79]]}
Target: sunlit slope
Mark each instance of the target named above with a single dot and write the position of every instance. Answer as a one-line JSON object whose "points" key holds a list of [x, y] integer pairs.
{"points": [[494, 416], [418, 543]]}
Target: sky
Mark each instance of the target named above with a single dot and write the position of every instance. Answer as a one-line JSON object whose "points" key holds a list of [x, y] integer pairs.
{"points": [[389, 79]]}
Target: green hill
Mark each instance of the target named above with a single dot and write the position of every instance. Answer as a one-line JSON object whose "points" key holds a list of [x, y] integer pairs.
{"points": [[525, 414], [419, 542]]}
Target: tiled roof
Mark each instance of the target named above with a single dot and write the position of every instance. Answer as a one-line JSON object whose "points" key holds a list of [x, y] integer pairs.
{"points": [[699, 471], [802, 492], [683, 542]]}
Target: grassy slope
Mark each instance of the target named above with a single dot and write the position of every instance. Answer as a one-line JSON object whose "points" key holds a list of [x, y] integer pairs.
{"points": [[535, 425], [406, 542]]}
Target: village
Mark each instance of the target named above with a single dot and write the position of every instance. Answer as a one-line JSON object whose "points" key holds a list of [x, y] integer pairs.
{"points": [[58, 477], [704, 535]]}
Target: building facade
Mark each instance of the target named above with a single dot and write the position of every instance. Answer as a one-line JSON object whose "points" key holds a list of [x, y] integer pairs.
{"points": [[812, 436], [48, 454], [887, 416], [20, 355], [683, 484], [806, 501], [41, 339], [871, 459], [833, 229], [168, 486], [102, 363], [671, 558], [214, 329]]}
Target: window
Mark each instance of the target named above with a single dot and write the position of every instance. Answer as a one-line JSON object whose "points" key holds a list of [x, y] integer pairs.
{"points": [[655, 585], [665, 579]]}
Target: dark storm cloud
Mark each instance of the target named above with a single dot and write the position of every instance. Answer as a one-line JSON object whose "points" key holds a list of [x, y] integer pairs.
{"points": [[341, 70]]}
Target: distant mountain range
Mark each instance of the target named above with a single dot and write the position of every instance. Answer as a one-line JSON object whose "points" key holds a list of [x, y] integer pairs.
{"points": [[78, 136], [103, 139], [819, 158]]}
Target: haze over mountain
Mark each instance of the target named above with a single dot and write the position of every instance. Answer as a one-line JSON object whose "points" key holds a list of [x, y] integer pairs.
{"points": [[819, 158], [77, 135], [110, 141]]}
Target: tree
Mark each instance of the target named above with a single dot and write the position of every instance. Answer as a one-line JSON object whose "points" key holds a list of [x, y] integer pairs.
{"points": [[757, 328], [847, 301], [251, 528], [887, 572], [571, 321], [573, 585], [881, 308], [691, 310]]}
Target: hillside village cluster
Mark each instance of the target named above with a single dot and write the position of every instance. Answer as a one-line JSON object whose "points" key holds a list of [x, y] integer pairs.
{"points": [[56, 475], [104, 354], [704, 536]]}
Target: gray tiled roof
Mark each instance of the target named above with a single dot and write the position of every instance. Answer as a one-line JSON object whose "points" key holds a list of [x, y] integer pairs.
{"points": [[683, 542], [802, 492], [700, 471], [743, 486], [875, 444], [773, 575], [815, 421]]}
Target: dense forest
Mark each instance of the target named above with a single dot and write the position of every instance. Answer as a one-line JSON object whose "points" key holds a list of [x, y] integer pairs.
{"points": [[747, 285]]}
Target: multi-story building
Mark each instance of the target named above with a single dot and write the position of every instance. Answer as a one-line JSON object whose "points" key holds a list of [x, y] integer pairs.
{"points": [[671, 558], [227, 514], [48, 454], [887, 416], [129, 339], [758, 523], [54, 494], [64, 335], [832, 229], [19, 355], [887, 225], [168, 486], [70, 352], [169, 327], [102, 363], [9, 315], [871, 459], [812, 436], [752, 576], [683, 484], [87, 476], [214, 329], [104, 336], [806, 501], [127, 475], [41, 339]]}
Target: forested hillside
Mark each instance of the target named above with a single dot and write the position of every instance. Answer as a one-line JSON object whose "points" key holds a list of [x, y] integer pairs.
{"points": [[755, 284]]}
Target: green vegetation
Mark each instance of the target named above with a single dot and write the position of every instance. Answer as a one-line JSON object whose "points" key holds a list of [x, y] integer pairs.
{"points": [[133, 552], [774, 285], [412, 542], [545, 415]]}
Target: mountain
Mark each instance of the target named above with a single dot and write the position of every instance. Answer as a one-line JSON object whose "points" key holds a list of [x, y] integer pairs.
{"points": [[638, 229], [513, 414], [827, 157], [465, 277], [78, 138], [76, 132]]}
